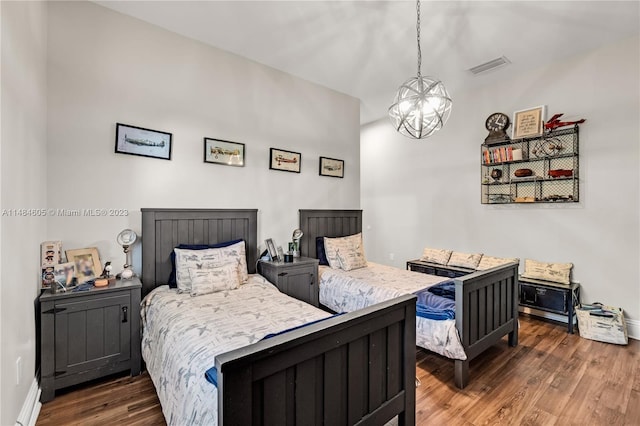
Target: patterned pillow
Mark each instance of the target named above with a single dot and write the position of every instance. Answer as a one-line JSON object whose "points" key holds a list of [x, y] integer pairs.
{"points": [[436, 255], [206, 259], [214, 279], [172, 276], [488, 262], [555, 272], [464, 260], [345, 253]]}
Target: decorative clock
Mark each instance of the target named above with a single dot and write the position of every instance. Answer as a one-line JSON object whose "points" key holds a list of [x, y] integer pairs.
{"points": [[497, 124]]}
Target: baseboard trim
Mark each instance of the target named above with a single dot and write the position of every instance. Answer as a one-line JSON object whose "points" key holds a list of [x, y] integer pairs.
{"points": [[31, 406], [633, 326]]}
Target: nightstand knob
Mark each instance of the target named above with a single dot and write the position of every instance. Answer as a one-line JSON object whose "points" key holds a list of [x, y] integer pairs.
{"points": [[125, 309]]}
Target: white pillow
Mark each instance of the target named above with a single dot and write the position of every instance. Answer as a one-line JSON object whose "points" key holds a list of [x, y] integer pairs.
{"points": [[211, 280], [488, 262], [464, 260], [554, 272], [439, 256], [207, 259], [345, 253]]}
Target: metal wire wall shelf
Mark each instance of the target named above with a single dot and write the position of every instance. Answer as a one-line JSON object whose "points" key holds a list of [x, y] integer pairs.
{"points": [[543, 169]]}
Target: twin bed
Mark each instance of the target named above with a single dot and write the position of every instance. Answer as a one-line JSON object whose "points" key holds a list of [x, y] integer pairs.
{"points": [[355, 368]]}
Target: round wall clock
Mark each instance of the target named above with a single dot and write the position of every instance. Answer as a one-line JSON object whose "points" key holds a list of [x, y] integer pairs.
{"points": [[497, 124]]}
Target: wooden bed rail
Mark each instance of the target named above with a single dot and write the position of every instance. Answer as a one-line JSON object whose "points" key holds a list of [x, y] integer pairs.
{"points": [[356, 368], [486, 310]]}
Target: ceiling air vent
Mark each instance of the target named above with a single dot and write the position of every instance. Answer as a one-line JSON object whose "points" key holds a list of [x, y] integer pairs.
{"points": [[491, 65]]}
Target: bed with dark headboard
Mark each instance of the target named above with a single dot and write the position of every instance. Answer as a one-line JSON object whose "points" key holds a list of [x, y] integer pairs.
{"points": [[486, 301], [354, 368]]}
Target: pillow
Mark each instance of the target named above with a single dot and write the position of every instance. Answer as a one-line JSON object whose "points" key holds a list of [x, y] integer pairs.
{"points": [[214, 279], [464, 260], [320, 253], [555, 272], [436, 255], [172, 276], [206, 259], [488, 262], [345, 253]]}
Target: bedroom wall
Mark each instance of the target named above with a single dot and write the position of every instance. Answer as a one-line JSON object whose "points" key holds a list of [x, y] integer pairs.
{"points": [[105, 68], [429, 193], [23, 175]]}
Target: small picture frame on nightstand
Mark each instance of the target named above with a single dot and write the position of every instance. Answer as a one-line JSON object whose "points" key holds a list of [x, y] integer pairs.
{"points": [[271, 248]]}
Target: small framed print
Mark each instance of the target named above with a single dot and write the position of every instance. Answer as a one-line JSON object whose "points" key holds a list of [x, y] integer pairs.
{"points": [[271, 248], [287, 161], [87, 263], [144, 142], [331, 167], [528, 123], [219, 151], [64, 273]]}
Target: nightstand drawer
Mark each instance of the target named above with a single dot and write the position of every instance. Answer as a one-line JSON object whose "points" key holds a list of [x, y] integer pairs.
{"points": [[554, 300]]}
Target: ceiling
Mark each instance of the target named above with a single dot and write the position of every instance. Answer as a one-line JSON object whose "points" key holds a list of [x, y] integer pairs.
{"points": [[366, 49]]}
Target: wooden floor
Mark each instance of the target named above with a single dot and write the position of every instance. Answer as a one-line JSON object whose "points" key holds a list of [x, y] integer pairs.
{"points": [[550, 378]]}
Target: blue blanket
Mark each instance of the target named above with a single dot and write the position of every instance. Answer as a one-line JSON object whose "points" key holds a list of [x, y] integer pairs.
{"points": [[212, 374], [437, 302]]}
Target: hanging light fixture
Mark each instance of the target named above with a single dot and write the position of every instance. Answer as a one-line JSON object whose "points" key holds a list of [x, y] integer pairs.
{"points": [[422, 105]]}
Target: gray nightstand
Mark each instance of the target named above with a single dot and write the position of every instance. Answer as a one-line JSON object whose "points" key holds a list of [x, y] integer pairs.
{"points": [[89, 334], [298, 279]]}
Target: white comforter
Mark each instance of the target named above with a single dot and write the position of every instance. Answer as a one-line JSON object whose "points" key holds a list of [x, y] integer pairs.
{"points": [[182, 336], [347, 291]]}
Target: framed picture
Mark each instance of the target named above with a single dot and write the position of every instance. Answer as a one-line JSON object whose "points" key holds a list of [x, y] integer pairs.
{"points": [[223, 152], [64, 273], [285, 160], [87, 263], [144, 142], [331, 167], [271, 248], [528, 122]]}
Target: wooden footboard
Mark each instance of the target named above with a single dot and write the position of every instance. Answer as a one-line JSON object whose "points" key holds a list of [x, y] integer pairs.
{"points": [[486, 310], [357, 368]]}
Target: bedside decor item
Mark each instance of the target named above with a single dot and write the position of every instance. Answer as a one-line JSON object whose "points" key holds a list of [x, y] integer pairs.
{"points": [[331, 167], [497, 124], [271, 248], [297, 235], [144, 142], [523, 173], [126, 238], [64, 273], [87, 263], [422, 105], [50, 253], [529, 122], [287, 161], [219, 151]]}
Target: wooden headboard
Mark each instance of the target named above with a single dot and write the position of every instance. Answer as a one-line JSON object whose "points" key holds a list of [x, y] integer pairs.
{"points": [[326, 223], [163, 229]]}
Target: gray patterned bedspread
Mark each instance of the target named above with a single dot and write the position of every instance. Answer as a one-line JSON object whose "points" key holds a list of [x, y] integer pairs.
{"points": [[347, 291], [182, 336]]}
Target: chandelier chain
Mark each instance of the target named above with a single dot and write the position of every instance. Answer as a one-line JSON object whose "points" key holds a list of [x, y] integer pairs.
{"points": [[418, 38]]}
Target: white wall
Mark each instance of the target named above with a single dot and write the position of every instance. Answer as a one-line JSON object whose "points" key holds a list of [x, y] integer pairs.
{"points": [[105, 67], [427, 193], [23, 175]]}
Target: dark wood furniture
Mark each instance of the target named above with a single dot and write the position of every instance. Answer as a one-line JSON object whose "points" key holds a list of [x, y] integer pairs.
{"points": [[89, 334], [551, 297], [486, 301], [298, 279], [357, 367], [437, 269]]}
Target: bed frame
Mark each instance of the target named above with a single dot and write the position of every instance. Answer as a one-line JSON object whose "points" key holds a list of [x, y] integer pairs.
{"points": [[357, 368], [486, 301]]}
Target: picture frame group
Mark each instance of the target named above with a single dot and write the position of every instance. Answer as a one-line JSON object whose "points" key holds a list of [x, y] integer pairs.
{"points": [[143, 142]]}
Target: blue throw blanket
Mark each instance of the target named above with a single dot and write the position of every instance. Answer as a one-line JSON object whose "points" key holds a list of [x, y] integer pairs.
{"points": [[437, 302], [212, 374]]}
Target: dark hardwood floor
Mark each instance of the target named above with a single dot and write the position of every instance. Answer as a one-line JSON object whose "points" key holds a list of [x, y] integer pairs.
{"points": [[550, 378]]}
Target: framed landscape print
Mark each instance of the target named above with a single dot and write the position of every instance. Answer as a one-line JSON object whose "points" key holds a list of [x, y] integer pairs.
{"points": [[144, 142], [331, 167], [287, 161], [219, 151]]}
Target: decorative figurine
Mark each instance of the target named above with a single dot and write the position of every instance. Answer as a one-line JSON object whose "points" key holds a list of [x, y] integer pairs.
{"points": [[554, 122], [106, 272]]}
